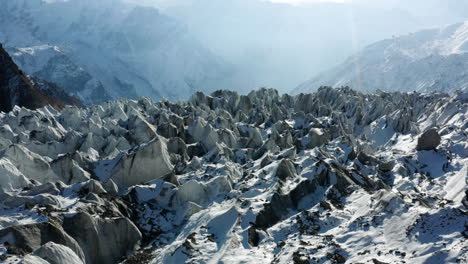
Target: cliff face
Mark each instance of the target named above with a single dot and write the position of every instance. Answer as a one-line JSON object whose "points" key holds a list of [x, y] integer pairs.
{"points": [[17, 89]]}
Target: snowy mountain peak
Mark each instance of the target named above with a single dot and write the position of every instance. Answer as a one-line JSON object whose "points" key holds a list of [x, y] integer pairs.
{"points": [[448, 40], [429, 60], [99, 50]]}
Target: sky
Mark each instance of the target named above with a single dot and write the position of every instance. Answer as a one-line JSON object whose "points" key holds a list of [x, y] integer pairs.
{"points": [[297, 2]]}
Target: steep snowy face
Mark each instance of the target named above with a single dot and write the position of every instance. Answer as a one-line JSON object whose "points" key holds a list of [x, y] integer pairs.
{"points": [[52, 64], [330, 177], [109, 49], [429, 60]]}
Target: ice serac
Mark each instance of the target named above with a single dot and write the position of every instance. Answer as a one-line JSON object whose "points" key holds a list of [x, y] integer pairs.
{"points": [[310, 178], [31, 164], [57, 254], [103, 240], [33, 236], [148, 162], [10, 177]]}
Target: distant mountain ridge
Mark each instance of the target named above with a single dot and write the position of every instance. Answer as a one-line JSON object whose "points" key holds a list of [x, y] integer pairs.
{"points": [[108, 49], [429, 60], [18, 89], [52, 64]]}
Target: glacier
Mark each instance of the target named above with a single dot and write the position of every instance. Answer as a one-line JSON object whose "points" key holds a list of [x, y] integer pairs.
{"points": [[334, 176]]}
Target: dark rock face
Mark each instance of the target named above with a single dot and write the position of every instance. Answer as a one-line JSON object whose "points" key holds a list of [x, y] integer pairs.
{"points": [[54, 91], [17, 89], [254, 237], [429, 140]]}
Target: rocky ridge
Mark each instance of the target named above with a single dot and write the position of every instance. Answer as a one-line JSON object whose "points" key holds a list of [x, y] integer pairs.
{"points": [[330, 177], [16, 88]]}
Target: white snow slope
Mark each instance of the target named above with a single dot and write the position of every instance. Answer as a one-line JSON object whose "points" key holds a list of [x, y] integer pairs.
{"points": [[330, 177], [429, 60]]}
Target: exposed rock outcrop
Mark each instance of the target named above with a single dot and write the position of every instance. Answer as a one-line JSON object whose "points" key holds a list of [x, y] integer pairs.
{"points": [[429, 140]]}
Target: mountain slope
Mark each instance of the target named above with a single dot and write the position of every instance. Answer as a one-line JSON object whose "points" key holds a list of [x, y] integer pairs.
{"points": [[52, 64], [128, 50], [17, 89], [429, 60]]}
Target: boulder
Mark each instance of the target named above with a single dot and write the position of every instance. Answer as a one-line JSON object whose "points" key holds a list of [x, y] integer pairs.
{"points": [[429, 140], [386, 166]]}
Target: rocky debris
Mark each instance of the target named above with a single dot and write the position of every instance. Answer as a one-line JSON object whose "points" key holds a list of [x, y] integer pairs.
{"points": [[237, 175], [141, 257], [429, 140]]}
